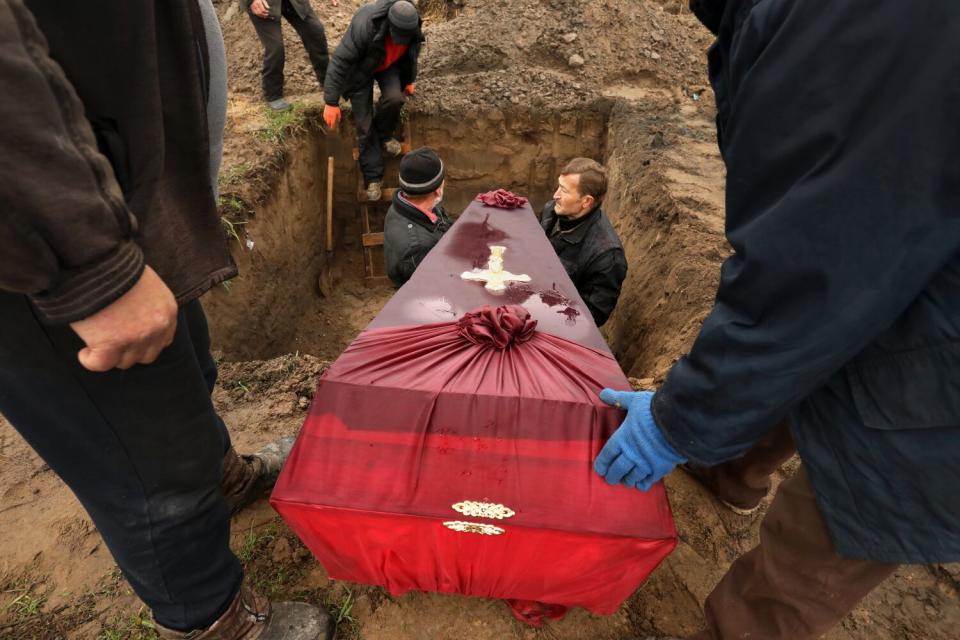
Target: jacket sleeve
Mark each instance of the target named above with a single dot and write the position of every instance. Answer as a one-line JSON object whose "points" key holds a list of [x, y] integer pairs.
{"points": [[344, 59], [402, 261], [65, 231], [415, 63], [600, 289], [709, 12], [843, 202]]}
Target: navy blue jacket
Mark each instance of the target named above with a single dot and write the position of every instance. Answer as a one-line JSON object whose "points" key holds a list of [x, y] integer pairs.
{"points": [[840, 307]]}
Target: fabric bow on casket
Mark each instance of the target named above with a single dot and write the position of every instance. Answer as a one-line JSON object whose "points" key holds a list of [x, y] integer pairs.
{"points": [[457, 457], [502, 199]]}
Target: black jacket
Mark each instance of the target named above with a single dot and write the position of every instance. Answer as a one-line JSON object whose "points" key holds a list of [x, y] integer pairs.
{"points": [[362, 50], [408, 236], [841, 304], [104, 153], [592, 256]]}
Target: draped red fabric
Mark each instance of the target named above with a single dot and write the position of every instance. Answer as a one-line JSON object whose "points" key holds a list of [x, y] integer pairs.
{"points": [[412, 422], [502, 199]]}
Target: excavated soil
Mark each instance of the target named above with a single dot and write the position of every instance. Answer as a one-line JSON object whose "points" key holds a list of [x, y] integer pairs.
{"points": [[504, 99]]}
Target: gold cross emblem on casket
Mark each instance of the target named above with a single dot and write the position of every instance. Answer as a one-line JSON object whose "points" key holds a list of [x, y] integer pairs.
{"points": [[494, 277]]}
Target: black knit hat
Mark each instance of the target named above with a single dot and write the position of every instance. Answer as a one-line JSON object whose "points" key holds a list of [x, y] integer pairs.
{"points": [[404, 21], [421, 171]]}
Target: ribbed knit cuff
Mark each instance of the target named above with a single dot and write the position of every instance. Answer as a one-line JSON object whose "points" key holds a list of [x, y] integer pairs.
{"points": [[89, 289]]}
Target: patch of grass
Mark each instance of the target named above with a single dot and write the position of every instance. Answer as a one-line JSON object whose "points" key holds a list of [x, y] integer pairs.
{"points": [[26, 605], [138, 626], [342, 613], [230, 228], [290, 364], [273, 579], [233, 173], [26, 600], [281, 125], [239, 384], [256, 542], [231, 203]]}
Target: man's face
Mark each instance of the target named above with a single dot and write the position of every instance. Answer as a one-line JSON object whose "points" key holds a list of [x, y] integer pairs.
{"points": [[569, 202]]}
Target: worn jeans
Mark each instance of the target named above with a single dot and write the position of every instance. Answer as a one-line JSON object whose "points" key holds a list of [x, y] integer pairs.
{"points": [[314, 40], [142, 450], [375, 128]]}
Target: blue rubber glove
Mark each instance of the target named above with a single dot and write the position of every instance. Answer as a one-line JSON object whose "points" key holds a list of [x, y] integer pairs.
{"points": [[636, 454]]}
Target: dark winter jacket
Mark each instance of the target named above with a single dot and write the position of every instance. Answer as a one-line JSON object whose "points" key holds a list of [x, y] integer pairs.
{"points": [[83, 208], [408, 236], [592, 256], [275, 7], [362, 50], [841, 304]]}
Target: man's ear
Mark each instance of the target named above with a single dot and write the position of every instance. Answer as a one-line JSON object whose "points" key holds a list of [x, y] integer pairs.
{"points": [[590, 201]]}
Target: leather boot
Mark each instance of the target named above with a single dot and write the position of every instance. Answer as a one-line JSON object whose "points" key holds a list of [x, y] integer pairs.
{"points": [[246, 477], [251, 617]]}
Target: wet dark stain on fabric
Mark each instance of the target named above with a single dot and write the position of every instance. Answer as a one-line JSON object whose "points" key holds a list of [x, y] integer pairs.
{"points": [[554, 298], [570, 315], [471, 241], [517, 293]]}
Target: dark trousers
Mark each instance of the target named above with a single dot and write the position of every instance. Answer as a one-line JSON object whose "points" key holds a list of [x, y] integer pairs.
{"points": [[793, 585], [271, 37], [745, 481], [375, 128], [142, 449]]}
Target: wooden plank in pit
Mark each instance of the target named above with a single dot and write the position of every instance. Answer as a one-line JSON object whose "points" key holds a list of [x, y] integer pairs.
{"points": [[374, 239]]}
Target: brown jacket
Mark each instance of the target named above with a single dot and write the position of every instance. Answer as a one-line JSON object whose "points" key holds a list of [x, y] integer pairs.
{"points": [[104, 153]]}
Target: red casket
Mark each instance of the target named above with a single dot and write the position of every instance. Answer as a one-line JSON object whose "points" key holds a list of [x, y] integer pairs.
{"points": [[453, 452]]}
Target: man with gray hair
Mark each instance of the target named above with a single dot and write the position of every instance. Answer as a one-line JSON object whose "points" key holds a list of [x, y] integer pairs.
{"points": [[415, 221]]}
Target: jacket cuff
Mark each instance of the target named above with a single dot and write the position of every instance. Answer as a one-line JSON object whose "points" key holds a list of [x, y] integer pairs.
{"points": [[89, 289], [676, 433]]}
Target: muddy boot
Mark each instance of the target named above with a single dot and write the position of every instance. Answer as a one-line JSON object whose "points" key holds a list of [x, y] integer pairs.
{"points": [[252, 617], [393, 147], [373, 191], [246, 478], [740, 500]]}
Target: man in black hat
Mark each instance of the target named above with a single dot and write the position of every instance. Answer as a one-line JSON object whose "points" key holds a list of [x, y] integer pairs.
{"points": [[265, 16], [382, 43], [415, 221]]}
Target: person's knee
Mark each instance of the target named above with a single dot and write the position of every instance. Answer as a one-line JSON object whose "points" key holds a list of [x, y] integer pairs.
{"points": [[392, 100], [274, 55]]}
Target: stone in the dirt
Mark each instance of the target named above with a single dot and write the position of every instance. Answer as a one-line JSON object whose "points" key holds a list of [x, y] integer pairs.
{"points": [[569, 37], [576, 60], [655, 55]]}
